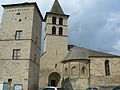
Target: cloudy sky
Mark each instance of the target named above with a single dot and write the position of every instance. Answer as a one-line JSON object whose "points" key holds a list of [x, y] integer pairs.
{"points": [[93, 24]]}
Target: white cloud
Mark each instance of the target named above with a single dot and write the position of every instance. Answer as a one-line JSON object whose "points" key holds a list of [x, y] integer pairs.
{"points": [[94, 24], [117, 46]]}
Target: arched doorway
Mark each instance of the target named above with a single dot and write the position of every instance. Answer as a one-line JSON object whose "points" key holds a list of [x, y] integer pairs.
{"points": [[54, 79]]}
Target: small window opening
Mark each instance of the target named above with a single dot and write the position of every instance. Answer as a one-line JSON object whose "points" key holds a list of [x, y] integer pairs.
{"points": [[107, 68], [18, 34], [73, 71], [61, 21], [16, 54], [53, 20], [55, 65], [60, 31], [20, 20], [18, 13], [9, 80], [53, 30], [83, 70]]}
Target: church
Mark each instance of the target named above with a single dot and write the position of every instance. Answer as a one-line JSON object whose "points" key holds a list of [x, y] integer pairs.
{"points": [[61, 65]]}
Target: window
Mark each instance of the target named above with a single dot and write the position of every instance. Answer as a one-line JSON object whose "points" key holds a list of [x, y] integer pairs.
{"points": [[61, 21], [60, 31], [53, 20], [18, 13], [107, 69], [16, 54], [18, 87], [55, 65], [83, 70], [9, 80], [18, 35], [73, 71], [53, 30], [20, 20]]}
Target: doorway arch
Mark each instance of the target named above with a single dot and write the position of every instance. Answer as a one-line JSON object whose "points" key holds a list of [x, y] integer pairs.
{"points": [[54, 79]]}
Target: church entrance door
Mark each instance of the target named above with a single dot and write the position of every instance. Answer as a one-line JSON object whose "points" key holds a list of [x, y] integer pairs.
{"points": [[54, 79]]}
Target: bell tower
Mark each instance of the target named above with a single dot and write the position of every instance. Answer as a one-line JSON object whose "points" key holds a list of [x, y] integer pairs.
{"points": [[56, 33], [55, 46]]}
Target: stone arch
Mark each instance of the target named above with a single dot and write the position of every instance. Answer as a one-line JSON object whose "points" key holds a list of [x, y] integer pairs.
{"points": [[73, 71], [53, 20], [107, 67], [53, 30], [54, 79], [60, 21], [60, 31]]}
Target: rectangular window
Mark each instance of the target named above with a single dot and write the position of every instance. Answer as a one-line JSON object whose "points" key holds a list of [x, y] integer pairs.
{"points": [[18, 87], [16, 54], [18, 35], [10, 80]]}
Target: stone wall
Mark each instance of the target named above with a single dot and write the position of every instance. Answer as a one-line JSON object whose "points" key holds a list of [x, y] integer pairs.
{"points": [[74, 77], [49, 65], [11, 22], [61, 41], [33, 76], [17, 70], [55, 50], [24, 71], [34, 65], [98, 77]]}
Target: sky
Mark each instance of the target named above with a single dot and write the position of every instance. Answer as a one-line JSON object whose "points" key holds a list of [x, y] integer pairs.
{"points": [[93, 24]]}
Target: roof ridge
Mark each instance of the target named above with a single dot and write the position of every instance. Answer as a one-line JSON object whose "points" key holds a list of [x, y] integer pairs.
{"points": [[96, 51]]}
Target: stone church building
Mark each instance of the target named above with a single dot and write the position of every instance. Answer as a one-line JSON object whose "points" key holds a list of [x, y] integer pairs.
{"points": [[61, 65]]}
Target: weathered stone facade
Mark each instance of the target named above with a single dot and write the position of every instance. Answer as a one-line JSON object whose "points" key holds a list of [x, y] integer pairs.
{"points": [[25, 18], [97, 72], [94, 75], [61, 65]]}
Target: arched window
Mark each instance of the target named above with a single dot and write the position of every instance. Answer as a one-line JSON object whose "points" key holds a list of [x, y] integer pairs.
{"points": [[83, 70], [60, 31], [60, 21], [53, 30], [53, 20], [55, 65], [73, 71], [107, 68]]}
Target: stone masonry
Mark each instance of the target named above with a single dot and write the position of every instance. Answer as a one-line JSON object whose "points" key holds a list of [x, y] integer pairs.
{"points": [[61, 65]]}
